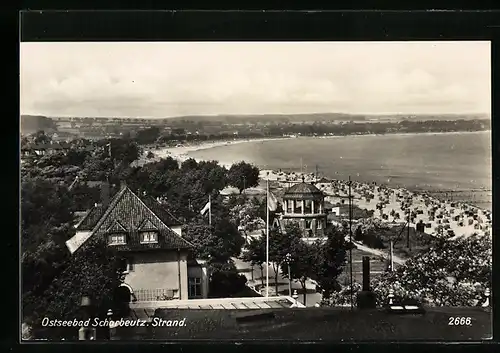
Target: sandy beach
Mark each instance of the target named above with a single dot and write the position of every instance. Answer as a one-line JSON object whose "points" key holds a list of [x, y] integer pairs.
{"points": [[441, 218], [181, 153]]}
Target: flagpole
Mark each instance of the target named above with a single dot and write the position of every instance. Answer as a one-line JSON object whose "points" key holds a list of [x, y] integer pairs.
{"points": [[267, 241], [350, 240], [392, 259], [209, 210]]}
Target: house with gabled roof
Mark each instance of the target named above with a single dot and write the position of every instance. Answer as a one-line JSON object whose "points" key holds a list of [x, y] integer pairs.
{"points": [[158, 263]]}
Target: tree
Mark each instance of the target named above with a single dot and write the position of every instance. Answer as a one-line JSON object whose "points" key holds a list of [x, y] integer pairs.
{"points": [[45, 226], [76, 157], [43, 206], [303, 262], [243, 175], [189, 164], [213, 175], [245, 213], [216, 243], [93, 271], [164, 165], [330, 259], [97, 168], [185, 188], [41, 138], [124, 150], [280, 244], [256, 254], [148, 136]]}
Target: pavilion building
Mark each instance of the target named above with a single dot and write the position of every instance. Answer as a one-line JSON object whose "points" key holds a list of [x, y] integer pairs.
{"points": [[304, 203]]}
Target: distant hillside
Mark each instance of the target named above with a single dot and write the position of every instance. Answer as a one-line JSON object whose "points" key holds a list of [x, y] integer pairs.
{"points": [[33, 123], [207, 120], [319, 117], [263, 118]]}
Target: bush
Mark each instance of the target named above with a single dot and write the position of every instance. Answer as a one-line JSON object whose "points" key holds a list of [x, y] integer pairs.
{"points": [[452, 273], [226, 282], [342, 296]]}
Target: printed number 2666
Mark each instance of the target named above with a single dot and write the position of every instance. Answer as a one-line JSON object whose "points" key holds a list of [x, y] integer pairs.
{"points": [[459, 321]]}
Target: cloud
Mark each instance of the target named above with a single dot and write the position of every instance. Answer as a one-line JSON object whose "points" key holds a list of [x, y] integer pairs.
{"points": [[162, 79]]}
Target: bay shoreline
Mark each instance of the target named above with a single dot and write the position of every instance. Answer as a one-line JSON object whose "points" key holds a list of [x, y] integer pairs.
{"points": [[388, 193], [181, 153]]}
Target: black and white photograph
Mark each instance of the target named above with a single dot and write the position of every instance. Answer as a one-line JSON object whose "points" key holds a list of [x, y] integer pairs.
{"points": [[315, 191]]}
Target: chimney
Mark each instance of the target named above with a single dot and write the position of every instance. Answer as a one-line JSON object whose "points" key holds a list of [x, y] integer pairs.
{"points": [[123, 184], [105, 194], [366, 273]]}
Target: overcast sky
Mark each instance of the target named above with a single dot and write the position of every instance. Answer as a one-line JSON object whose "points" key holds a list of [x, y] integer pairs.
{"points": [[187, 78]]}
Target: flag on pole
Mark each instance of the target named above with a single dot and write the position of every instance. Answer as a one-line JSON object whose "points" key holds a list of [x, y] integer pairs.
{"points": [[208, 208], [272, 202], [205, 209], [267, 240]]}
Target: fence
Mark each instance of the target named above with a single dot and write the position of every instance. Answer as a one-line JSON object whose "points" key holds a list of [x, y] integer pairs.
{"points": [[150, 295]]}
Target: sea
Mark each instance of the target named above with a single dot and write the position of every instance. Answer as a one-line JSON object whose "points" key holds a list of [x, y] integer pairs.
{"points": [[452, 166]]}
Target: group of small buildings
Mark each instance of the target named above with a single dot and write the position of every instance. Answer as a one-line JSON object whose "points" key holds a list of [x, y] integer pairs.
{"points": [[42, 149]]}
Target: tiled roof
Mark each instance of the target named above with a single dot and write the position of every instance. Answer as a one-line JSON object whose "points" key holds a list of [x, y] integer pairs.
{"points": [[91, 218], [166, 217], [131, 212], [303, 191]]}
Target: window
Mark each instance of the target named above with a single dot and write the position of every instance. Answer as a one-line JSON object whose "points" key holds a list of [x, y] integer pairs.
{"points": [[289, 206], [149, 237], [116, 239], [308, 224], [194, 287], [319, 224], [307, 206], [298, 206]]}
